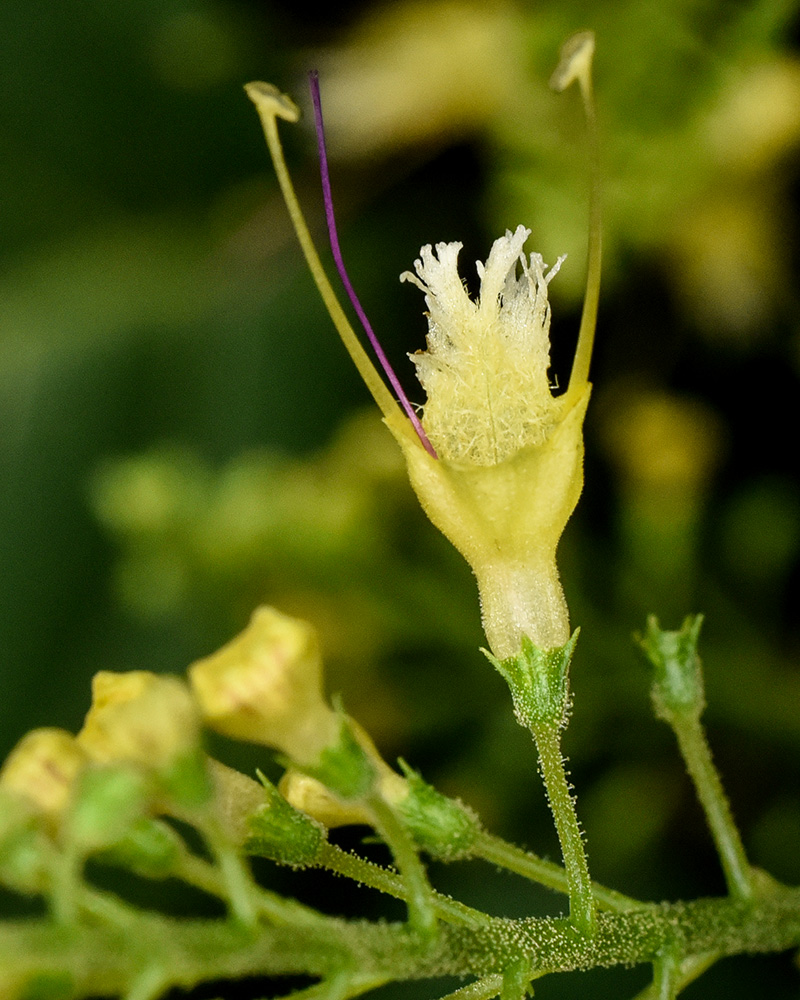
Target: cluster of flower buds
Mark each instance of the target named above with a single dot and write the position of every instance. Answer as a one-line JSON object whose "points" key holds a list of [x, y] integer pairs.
{"points": [[139, 756]]}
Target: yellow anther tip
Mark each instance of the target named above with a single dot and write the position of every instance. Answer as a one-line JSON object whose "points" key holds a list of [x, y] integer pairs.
{"points": [[270, 101], [575, 62]]}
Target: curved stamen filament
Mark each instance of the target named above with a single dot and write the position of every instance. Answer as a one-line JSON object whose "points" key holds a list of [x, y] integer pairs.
{"points": [[271, 105], [576, 65], [313, 80]]}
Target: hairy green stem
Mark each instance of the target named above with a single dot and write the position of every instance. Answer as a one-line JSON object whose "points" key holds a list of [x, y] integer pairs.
{"points": [[345, 986], [700, 764], [66, 883], [581, 900], [421, 912], [547, 873], [103, 959], [689, 969], [202, 875], [481, 989], [352, 866]]}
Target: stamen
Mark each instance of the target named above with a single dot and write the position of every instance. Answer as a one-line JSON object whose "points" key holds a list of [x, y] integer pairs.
{"points": [[575, 65], [271, 104], [313, 80]]}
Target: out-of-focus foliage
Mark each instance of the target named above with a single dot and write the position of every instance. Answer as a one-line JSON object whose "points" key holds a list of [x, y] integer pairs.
{"points": [[175, 441], [700, 110]]}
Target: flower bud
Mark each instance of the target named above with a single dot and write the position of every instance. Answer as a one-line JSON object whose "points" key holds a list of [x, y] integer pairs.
{"points": [[265, 686], [42, 769], [312, 797], [677, 688], [140, 718]]}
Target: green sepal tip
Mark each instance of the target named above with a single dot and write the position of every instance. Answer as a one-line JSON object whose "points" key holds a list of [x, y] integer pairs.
{"points": [[445, 828], [539, 681], [282, 833], [344, 767], [677, 686]]}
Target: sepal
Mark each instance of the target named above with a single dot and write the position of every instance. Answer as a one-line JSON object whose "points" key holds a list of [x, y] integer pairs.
{"points": [[345, 766], [445, 828], [282, 833], [677, 687], [539, 682]]}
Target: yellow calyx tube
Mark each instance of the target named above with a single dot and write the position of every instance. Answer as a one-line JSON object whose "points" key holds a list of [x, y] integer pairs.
{"points": [[506, 520]]}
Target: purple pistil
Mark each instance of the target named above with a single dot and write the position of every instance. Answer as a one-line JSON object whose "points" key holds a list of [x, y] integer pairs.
{"points": [[313, 80]]}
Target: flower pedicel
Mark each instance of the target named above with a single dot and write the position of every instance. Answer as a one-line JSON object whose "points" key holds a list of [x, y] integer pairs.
{"points": [[496, 460]]}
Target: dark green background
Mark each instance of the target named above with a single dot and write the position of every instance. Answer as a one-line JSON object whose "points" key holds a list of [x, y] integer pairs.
{"points": [[157, 325]]}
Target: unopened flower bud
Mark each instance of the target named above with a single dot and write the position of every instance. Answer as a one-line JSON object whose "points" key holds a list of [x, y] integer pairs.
{"points": [[42, 769], [312, 797], [677, 688], [265, 686], [140, 718]]}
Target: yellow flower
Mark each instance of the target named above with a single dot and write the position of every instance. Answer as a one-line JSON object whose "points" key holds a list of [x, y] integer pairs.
{"points": [[497, 460], [265, 686], [509, 469], [42, 769], [140, 718]]}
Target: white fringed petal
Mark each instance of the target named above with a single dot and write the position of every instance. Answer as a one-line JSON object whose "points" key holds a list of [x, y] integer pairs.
{"points": [[485, 371]]}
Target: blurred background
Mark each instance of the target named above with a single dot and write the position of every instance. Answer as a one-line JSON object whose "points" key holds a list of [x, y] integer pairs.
{"points": [[182, 437]]}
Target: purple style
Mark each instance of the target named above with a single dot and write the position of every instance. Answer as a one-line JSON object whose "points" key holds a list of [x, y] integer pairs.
{"points": [[313, 80]]}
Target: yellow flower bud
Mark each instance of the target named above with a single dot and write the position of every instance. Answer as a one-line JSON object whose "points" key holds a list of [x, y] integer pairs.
{"points": [[316, 800], [140, 718], [265, 686], [510, 455], [42, 769]]}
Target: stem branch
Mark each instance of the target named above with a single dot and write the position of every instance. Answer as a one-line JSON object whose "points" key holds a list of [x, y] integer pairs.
{"points": [[421, 913], [352, 866], [562, 805], [699, 762], [547, 873]]}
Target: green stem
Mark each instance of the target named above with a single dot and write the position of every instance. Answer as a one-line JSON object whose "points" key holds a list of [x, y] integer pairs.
{"points": [[516, 980], [700, 764], [481, 989], [665, 976], [689, 969], [360, 870], [202, 875], [240, 889], [581, 900], [148, 985], [421, 910], [65, 875], [345, 986], [105, 959], [547, 873]]}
